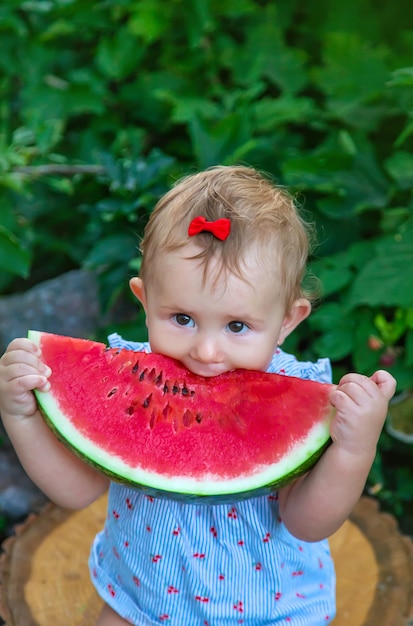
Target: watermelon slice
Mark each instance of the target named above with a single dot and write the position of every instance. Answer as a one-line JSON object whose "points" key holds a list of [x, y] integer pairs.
{"points": [[146, 421]]}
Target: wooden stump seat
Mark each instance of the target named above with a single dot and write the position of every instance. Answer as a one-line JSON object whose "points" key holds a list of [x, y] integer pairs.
{"points": [[44, 579]]}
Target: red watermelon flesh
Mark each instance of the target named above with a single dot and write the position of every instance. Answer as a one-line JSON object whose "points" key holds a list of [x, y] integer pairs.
{"points": [[145, 420]]}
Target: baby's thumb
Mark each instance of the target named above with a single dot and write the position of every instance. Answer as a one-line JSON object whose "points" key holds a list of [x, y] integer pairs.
{"points": [[385, 382]]}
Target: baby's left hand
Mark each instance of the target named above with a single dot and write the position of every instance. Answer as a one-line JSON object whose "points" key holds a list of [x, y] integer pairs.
{"points": [[361, 404]]}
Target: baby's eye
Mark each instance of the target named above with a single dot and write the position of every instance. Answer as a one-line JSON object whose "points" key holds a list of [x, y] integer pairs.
{"points": [[237, 327], [183, 320]]}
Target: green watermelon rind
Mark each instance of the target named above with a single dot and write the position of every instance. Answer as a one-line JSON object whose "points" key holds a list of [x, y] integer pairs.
{"points": [[210, 489]]}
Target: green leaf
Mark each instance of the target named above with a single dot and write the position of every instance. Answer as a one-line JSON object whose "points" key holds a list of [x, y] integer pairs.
{"points": [[265, 54], [111, 250], [13, 181], [393, 219], [387, 278], [14, 258], [58, 29], [223, 141], [336, 328], [48, 134], [333, 272], [391, 330], [23, 136], [8, 214], [133, 177], [184, 107], [271, 113], [119, 55], [402, 77], [112, 283], [353, 73], [400, 88], [400, 168], [147, 21], [80, 99], [319, 170], [404, 135], [336, 343]]}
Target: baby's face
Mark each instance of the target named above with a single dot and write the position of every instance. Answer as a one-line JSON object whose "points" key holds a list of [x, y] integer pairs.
{"points": [[216, 326]]}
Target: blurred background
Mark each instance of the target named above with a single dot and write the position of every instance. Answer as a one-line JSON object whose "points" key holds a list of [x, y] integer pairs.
{"points": [[103, 105]]}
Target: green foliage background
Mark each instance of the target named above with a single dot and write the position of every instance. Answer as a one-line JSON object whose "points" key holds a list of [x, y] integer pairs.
{"points": [[104, 104]]}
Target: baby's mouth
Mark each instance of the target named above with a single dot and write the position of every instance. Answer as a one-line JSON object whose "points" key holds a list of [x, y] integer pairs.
{"points": [[208, 371]]}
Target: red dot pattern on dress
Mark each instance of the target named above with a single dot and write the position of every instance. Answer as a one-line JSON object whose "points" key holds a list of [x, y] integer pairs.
{"points": [[232, 513], [173, 590]]}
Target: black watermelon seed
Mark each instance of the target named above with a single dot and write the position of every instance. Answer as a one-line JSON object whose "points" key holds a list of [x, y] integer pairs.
{"points": [[146, 402]]}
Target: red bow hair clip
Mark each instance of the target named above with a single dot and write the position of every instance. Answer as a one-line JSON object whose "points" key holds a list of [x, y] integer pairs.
{"points": [[219, 228]]}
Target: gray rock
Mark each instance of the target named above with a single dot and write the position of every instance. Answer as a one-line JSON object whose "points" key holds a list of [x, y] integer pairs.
{"points": [[67, 305], [17, 501], [18, 495]]}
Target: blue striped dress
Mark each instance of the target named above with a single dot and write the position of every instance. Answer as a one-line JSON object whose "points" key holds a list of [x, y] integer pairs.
{"points": [[159, 561]]}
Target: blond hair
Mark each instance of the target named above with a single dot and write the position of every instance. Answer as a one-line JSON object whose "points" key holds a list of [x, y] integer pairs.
{"points": [[262, 214]]}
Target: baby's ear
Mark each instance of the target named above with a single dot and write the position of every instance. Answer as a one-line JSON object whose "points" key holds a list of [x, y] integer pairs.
{"points": [[138, 290], [300, 309]]}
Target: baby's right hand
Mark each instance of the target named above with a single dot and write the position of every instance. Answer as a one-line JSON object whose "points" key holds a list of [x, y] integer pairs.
{"points": [[21, 371]]}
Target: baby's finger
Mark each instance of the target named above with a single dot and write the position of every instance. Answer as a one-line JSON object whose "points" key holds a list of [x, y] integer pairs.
{"points": [[20, 362], [354, 390], [23, 384], [22, 343]]}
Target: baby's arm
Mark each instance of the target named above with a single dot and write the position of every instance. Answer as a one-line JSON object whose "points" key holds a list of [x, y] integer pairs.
{"points": [[61, 475], [317, 504]]}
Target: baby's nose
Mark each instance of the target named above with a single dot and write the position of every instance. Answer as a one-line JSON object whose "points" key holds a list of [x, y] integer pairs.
{"points": [[208, 349]]}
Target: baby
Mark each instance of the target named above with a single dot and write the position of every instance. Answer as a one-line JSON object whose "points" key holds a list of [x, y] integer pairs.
{"points": [[224, 254]]}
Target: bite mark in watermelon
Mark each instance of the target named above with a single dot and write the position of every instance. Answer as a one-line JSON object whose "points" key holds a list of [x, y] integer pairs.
{"points": [[146, 421]]}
